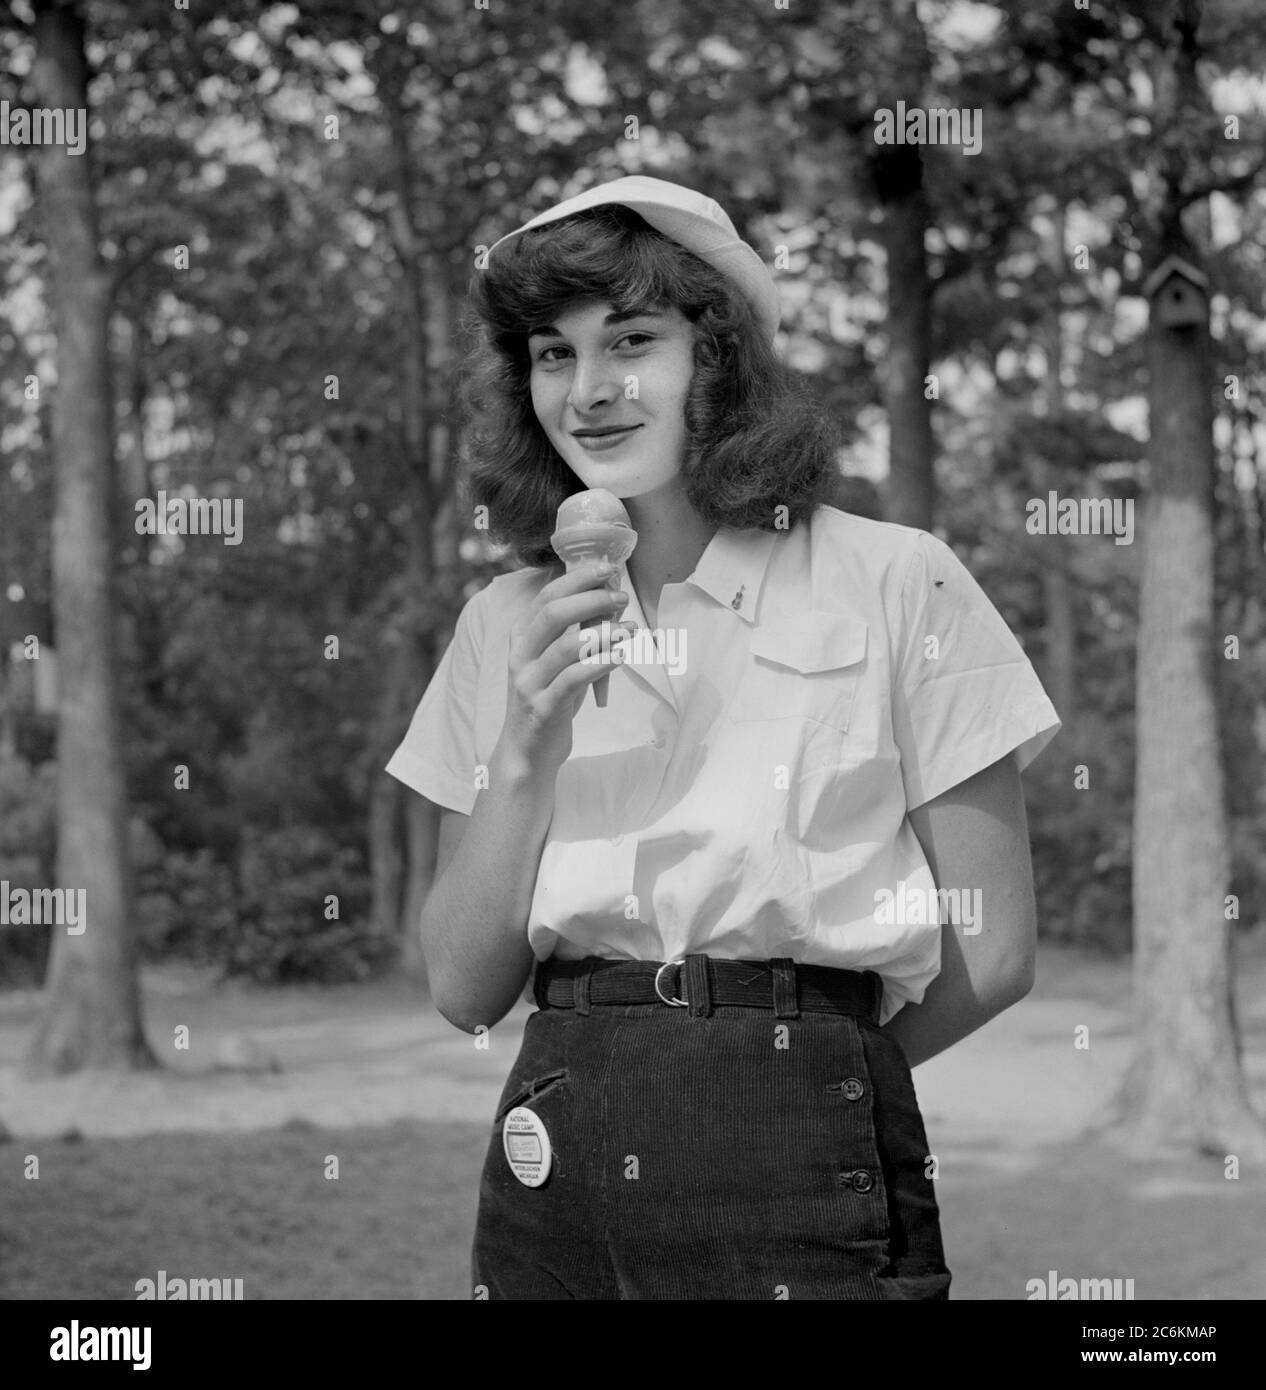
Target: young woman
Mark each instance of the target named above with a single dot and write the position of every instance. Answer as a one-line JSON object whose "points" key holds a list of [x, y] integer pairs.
{"points": [[723, 884]]}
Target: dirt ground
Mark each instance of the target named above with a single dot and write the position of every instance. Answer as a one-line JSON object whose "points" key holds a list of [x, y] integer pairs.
{"points": [[210, 1172]]}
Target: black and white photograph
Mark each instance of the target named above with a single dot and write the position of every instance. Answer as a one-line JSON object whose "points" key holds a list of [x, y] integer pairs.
{"points": [[632, 665]]}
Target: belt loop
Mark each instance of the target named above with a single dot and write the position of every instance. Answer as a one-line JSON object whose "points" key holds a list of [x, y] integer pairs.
{"points": [[698, 984], [786, 1004], [580, 986], [540, 984]]}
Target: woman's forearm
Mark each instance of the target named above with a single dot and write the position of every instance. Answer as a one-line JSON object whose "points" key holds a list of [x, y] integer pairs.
{"points": [[474, 923], [976, 838], [972, 987]]}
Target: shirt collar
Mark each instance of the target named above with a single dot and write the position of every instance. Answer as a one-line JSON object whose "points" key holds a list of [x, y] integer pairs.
{"points": [[732, 569]]}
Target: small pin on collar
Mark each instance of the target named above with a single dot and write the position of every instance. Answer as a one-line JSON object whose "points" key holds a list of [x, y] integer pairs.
{"points": [[737, 601]]}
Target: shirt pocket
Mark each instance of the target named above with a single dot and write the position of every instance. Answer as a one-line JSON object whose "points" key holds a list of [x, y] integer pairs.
{"points": [[803, 667]]}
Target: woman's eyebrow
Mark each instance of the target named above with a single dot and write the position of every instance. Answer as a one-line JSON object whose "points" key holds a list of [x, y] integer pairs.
{"points": [[548, 330], [632, 314]]}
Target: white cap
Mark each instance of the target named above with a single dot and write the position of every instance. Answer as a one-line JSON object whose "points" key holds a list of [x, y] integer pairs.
{"points": [[691, 220]]}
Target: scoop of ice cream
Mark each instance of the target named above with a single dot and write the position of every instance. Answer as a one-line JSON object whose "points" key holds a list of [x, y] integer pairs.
{"points": [[593, 525], [595, 505]]}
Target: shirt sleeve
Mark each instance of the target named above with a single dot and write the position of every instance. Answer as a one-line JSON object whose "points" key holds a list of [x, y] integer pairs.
{"points": [[964, 693], [437, 756]]}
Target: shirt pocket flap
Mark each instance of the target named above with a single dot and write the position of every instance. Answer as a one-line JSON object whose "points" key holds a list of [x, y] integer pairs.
{"points": [[814, 641]]}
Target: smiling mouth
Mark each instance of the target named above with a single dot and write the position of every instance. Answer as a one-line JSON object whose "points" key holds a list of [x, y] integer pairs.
{"points": [[603, 434]]}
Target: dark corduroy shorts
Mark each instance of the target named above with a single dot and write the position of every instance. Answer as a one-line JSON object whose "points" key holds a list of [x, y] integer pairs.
{"points": [[734, 1155]]}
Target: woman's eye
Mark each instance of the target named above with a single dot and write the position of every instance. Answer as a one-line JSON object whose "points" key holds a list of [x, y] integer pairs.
{"points": [[551, 356]]}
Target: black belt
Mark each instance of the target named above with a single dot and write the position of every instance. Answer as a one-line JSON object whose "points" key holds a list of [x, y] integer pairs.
{"points": [[700, 984]]}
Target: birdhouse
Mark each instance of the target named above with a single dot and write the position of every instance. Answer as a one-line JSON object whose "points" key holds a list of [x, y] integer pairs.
{"points": [[1178, 293]]}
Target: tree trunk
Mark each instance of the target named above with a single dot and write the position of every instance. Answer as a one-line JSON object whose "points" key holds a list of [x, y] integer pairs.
{"points": [[386, 862], [421, 819], [1185, 1086], [92, 1011], [417, 393], [1059, 667], [897, 174]]}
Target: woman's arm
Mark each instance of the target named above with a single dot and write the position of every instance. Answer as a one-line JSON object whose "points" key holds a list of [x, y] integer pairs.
{"points": [[975, 836], [475, 920], [473, 924]]}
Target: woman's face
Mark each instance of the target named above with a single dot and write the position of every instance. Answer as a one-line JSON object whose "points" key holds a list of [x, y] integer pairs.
{"points": [[610, 392]]}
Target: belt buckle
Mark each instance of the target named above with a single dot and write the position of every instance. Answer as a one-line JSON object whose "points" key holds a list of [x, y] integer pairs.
{"points": [[675, 1002]]}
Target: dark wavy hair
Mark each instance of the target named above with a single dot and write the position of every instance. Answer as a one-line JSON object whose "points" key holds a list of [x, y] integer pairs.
{"points": [[755, 439]]}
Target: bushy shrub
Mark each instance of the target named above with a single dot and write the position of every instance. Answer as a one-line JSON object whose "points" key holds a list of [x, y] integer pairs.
{"points": [[267, 923], [1081, 836], [283, 932], [187, 907], [28, 838]]}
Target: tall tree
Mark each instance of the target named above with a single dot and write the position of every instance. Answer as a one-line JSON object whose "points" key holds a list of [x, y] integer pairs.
{"points": [[92, 1011], [897, 174], [1186, 1084], [1059, 670], [423, 306]]}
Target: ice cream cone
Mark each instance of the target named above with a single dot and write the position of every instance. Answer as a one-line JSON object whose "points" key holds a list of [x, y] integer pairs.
{"points": [[591, 526]]}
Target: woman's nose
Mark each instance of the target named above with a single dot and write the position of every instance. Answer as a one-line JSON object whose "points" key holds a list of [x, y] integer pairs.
{"points": [[593, 383]]}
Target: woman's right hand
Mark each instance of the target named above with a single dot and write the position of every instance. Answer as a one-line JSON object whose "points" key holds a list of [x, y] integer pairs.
{"points": [[548, 679]]}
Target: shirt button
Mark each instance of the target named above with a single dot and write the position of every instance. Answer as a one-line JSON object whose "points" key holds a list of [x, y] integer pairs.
{"points": [[617, 839], [657, 742], [853, 1089], [862, 1182]]}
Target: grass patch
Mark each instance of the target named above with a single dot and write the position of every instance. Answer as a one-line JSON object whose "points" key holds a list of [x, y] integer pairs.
{"points": [[255, 1206]]}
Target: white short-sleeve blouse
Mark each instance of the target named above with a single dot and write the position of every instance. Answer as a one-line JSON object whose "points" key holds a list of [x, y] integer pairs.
{"points": [[744, 793]]}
